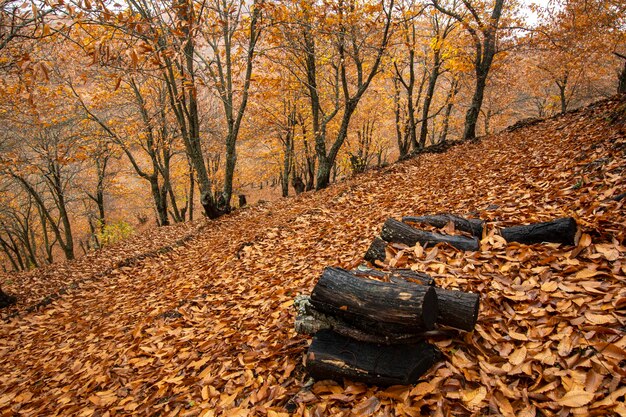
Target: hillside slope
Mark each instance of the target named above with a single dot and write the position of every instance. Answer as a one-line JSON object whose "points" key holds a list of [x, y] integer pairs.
{"points": [[206, 326]]}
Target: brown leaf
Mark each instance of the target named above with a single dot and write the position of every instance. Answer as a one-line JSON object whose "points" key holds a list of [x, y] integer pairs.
{"points": [[576, 398]]}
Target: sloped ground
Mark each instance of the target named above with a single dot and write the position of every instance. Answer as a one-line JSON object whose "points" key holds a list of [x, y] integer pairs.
{"points": [[205, 327]]}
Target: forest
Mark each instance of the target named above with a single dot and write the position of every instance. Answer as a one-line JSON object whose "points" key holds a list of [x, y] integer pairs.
{"points": [[120, 115]]}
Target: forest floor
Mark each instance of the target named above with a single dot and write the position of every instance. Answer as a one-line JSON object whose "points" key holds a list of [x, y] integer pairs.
{"points": [[198, 319]]}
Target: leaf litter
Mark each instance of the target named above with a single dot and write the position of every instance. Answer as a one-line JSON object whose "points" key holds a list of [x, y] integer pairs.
{"points": [[204, 327]]}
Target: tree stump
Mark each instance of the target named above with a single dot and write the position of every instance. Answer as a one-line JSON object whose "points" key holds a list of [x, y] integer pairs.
{"points": [[395, 231], [332, 356], [563, 230], [373, 306]]}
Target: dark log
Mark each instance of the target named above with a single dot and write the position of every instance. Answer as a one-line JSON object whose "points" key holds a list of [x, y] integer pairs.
{"points": [[398, 232], [310, 321], [376, 251], [457, 309], [332, 356], [619, 197], [473, 226], [242, 200], [424, 279], [563, 230], [374, 306], [6, 299]]}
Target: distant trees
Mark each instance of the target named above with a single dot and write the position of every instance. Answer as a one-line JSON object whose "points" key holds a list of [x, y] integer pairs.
{"points": [[576, 46], [337, 49]]}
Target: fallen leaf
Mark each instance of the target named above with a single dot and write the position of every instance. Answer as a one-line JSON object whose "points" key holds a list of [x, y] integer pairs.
{"points": [[576, 398]]}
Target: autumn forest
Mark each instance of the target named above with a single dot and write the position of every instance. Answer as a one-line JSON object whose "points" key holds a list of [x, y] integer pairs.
{"points": [[312, 208], [119, 115]]}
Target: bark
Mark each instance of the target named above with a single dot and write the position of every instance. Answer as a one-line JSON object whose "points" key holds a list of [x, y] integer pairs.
{"points": [[403, 274], [457, 309], [287, 140], [376, 251], [332, 356], [471, 117], [473, 226], [6, 299], [430, 92], [562, 85], [98, 196], [398, 232], [621, 80], [454, 89], [192, 186], [374, 306], [401, 138], [564, 230], [309, 321]]}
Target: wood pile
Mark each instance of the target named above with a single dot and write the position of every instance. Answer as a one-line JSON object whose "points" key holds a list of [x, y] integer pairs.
{"points": [[371, 325]]}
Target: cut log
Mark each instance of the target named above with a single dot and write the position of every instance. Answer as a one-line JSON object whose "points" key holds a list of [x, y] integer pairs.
{"points": [[373, 306], [563, 230], [6, 299], [309, 321], [398, 232], [332, 356], [473, 226], [376, 251], [424, 279], [457, 309]]}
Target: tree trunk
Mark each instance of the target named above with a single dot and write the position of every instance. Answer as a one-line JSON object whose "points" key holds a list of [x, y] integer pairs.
{"points": [[398, 232], [621, 86], [229, 172], [374, 306], [446, 117], [68, 243], [471, 117], [159, 205], [332, 356], [403, 144], [192, 186], [324, 167], [562, 85], [563, 230]]}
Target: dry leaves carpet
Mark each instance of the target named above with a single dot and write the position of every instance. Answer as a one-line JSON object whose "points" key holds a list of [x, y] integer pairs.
{"points": [[197, 320]]}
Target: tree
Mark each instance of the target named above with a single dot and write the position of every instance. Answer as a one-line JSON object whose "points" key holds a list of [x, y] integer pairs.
{"points": [[577, 43], [482, 27], [336, 37], [144, 126], [225, 21]]}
